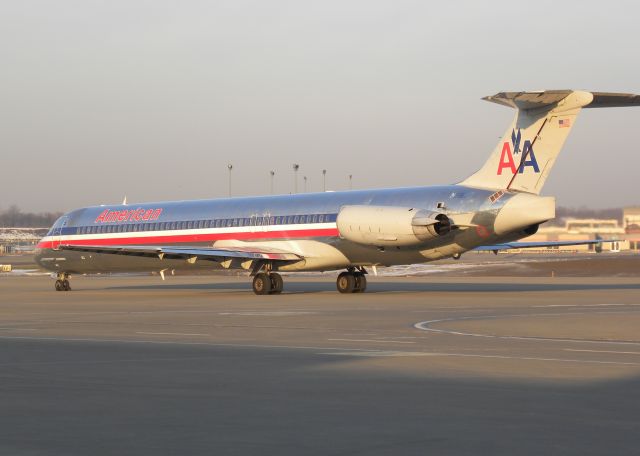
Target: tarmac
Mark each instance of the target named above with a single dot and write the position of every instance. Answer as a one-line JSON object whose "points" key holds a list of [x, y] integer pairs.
{"points": [[417, 365]]}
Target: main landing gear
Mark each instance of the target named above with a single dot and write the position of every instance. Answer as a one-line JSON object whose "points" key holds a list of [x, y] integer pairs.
{"points": [[352, 281], [62, 282], [267, 283]]}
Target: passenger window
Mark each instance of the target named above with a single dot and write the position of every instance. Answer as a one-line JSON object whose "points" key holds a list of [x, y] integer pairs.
{"points": [[295, 220], [314, 219], [321, 218]]}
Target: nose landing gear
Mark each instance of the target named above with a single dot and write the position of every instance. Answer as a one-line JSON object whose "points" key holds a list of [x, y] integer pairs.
{"points": [[352, 281], [62, 282]]}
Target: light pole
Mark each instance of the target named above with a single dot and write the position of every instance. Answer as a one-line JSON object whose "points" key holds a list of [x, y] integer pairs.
{"points": [[272, 173], [229, 167], [350, 181], [295, 177], [305, 184], [324, 180]]}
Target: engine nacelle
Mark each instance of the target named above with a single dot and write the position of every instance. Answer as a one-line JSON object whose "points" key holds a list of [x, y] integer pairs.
{"points": [[391, 226]]}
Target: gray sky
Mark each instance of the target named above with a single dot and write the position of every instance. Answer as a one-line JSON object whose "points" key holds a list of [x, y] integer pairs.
{"points": [[152, 98]]}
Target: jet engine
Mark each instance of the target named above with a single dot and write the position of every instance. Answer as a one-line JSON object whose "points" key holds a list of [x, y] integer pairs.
{"points": [[391, 226]]}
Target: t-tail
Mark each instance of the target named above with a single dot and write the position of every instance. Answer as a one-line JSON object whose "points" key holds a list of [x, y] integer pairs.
{"points": [[525, 155]]}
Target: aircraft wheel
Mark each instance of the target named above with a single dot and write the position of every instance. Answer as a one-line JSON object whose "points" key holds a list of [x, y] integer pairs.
{"points": [[361, 282], [66, 286], [261, 284], [346, 282], [59, 286], [277, 284]]}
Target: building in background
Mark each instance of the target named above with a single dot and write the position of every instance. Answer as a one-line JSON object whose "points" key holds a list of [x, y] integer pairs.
{"points": [[20, 240], [625, 232]]}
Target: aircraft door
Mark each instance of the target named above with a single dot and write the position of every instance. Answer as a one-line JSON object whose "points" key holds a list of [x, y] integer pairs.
{"points": [[266, 221], [57, 232]]}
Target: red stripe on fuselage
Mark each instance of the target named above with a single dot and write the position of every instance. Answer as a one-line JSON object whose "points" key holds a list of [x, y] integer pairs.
{"points": [[194, 238]]}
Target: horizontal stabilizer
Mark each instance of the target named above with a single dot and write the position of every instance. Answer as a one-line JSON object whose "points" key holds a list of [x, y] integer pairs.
{"points": [[538, 245], [525, 155], [535, 100]]}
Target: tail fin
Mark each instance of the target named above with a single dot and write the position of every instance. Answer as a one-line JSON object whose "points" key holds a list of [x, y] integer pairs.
{"points": [[525, 155]]}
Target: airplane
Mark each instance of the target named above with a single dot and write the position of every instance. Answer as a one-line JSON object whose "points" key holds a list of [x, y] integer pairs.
{"points": [[351, 230]]}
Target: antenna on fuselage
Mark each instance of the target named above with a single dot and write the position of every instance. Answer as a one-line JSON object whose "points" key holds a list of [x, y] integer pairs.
{"points": [[124, 201]]}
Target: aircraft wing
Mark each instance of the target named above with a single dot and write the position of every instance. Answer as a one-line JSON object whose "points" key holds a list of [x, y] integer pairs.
{"points": [[190, 254], [533, 245]]}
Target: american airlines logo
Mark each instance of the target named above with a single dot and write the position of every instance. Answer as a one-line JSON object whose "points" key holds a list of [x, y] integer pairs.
{"points": [[133, 215], [509, 150]]}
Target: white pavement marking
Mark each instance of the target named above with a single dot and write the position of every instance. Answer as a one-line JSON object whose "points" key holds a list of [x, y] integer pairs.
{"points": [[602, 351], [18, 329], [585, 305], [170, 334], [468, 355], [424, 326], [266, 313], [327, 349], [173, 342], [375, 340], [375, 354]]}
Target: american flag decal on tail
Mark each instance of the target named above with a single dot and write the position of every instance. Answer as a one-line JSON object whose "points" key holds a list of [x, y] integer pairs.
{"points": [[564, 123]]}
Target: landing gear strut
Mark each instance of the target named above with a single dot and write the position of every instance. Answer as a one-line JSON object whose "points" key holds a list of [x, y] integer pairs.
{"points": [[62, 282], [352, 281], [267, 283]]}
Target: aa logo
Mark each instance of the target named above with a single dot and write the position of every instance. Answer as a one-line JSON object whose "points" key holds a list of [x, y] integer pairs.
{"points": [[509, 150]]}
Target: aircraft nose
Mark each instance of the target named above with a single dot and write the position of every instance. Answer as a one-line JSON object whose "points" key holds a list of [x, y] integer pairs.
{"points": [[523, 210]]}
